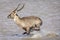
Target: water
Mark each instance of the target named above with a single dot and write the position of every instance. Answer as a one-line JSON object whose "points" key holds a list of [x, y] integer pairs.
{"points": [[47, 10]]}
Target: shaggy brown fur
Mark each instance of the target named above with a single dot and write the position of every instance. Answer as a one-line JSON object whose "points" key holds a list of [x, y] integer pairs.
{"points": [[27, 23]]}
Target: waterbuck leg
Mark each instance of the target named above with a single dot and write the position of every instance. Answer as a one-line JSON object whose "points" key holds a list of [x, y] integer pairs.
{"points": [[25, 31], [37, 29], [31, 29], [28, 30]]}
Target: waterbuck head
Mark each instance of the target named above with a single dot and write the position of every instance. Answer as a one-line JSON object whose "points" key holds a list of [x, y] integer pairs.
{"points": [[13, 13]]}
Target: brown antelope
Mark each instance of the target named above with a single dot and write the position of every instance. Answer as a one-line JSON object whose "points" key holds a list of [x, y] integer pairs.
{"points": [[26, 23]]}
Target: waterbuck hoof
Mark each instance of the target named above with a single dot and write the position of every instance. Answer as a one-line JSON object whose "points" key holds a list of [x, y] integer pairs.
{"points": [[24, 33], [37, 29]]}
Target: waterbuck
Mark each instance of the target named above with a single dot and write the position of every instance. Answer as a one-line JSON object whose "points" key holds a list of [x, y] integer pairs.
{"points": [[28, 23]]}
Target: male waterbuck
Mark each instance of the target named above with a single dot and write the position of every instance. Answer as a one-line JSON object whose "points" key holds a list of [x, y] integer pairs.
{"points": [[28, 23]]}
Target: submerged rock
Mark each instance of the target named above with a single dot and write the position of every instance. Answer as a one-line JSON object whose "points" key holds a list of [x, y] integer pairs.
{"points": [[52, 35]]}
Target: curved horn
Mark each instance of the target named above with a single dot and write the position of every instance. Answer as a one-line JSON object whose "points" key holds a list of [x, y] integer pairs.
{"points": [[21, 8], [17, 7]]}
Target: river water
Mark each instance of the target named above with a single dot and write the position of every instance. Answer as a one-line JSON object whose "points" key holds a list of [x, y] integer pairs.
{"points": [[47, 10]]}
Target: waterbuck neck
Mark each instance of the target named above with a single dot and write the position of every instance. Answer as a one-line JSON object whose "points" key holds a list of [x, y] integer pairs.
{"points": [[18, 21], [16, 18]]}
